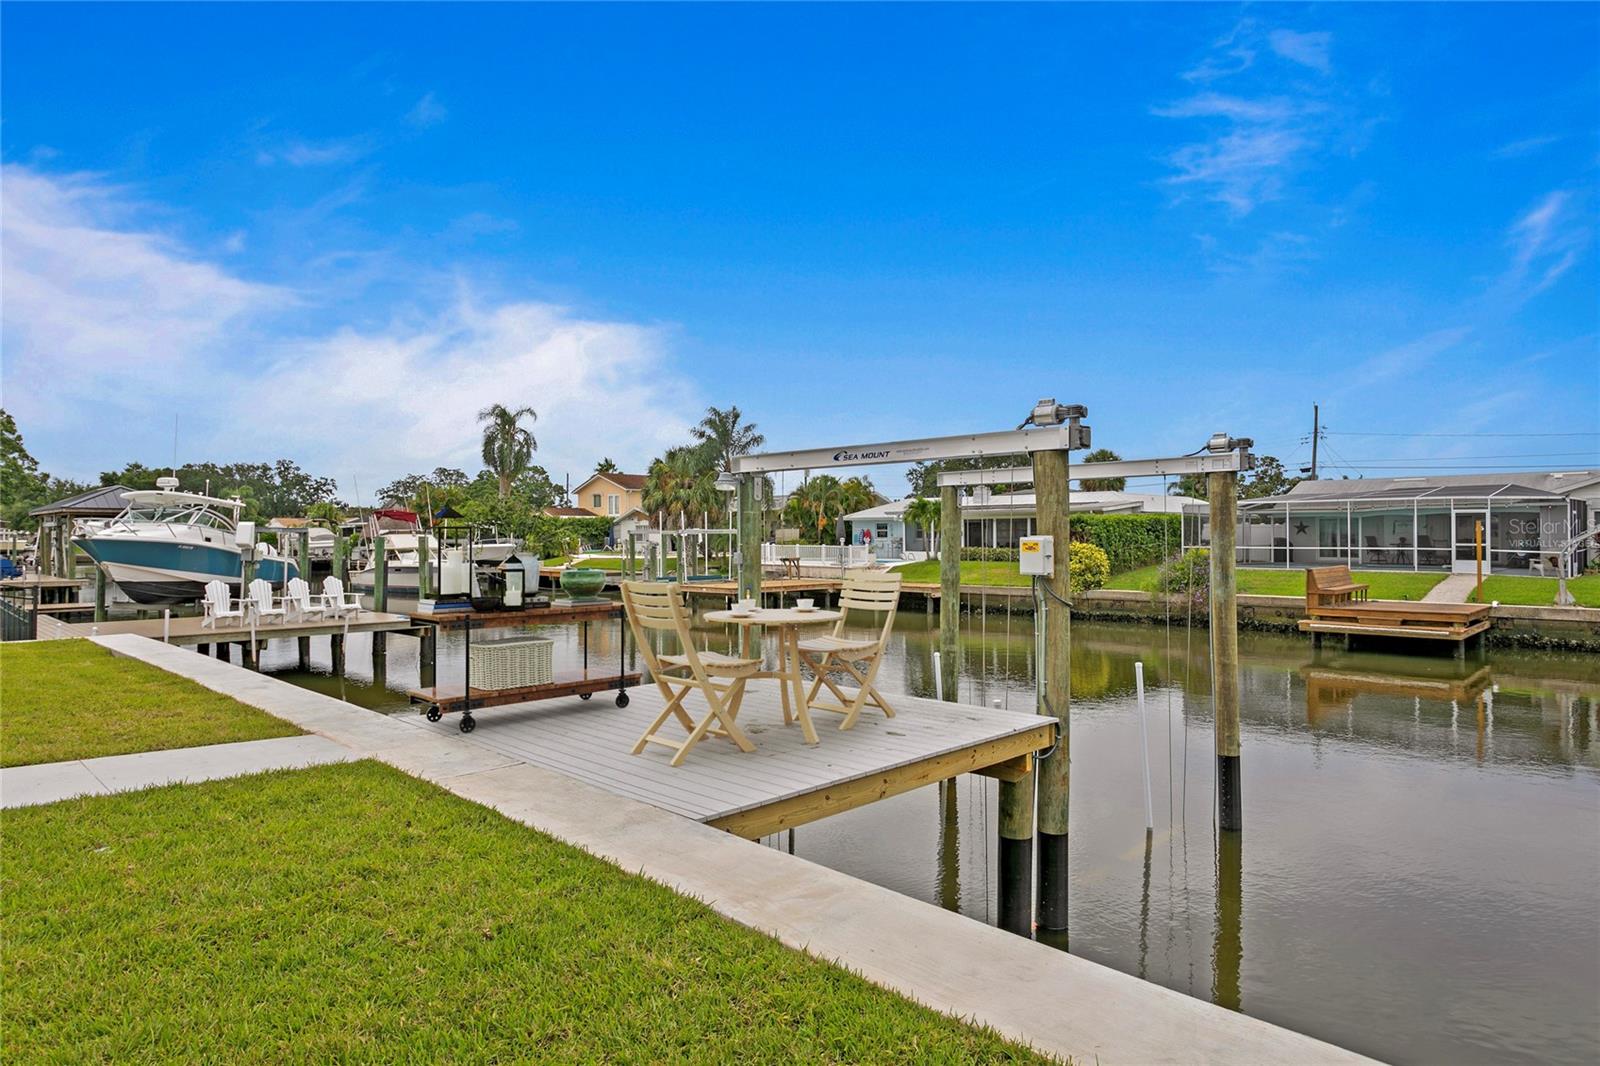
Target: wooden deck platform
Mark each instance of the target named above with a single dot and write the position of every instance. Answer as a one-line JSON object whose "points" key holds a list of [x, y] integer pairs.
{"points": [[557, 613], [187, 629], [783, 783], [1399, 618]]}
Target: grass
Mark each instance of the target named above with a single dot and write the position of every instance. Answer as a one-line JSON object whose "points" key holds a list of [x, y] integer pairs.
{"points": [[70, 699], [1539, 591], [972, 573], [1384, 584], [353, 914]]}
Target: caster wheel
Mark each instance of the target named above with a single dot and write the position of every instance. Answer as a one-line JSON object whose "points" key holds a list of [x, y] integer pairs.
{"points": [[434, 714], [468, 723], [622, 699], [585, 695]]}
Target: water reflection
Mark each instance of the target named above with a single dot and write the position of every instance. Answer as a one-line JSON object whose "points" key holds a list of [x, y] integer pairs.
{"points": [[1423, 880]]}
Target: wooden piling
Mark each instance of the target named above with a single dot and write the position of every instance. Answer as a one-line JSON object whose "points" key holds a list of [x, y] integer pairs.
{"points": [[99, 593], [1223, 490], [341, 559], [1053, 491], [749, 538], [222, 647], [304, 652], [380, 575], [336, 653], [1227, 948], [950, 589], [303, 563], [424, 569], [43, 551], [1015, 912]]}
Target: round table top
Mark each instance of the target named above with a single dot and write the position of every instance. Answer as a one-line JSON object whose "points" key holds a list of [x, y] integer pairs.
{"points": [[774, 616]]}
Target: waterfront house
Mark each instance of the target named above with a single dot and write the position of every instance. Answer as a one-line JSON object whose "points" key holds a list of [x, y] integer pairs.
{"points": [[995, 520], [1418, 523]]}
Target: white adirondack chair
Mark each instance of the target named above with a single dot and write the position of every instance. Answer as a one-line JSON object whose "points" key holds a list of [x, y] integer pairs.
{"points": [[336, 602], [219, 607], [260, 603], [297, 601]]}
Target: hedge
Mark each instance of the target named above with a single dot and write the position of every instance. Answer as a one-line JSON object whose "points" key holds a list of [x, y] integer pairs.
{"points": [[1129, 540]]}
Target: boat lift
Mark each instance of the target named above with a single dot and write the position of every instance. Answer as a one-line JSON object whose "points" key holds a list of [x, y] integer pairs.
{"points": [[1049, 434]]}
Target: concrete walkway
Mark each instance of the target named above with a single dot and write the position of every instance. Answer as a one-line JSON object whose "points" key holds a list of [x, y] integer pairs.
{"points": [[1059, 1003], [24, 786], [1453, 589]]}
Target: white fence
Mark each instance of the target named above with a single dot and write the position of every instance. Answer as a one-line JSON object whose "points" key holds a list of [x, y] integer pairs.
{"points": [[817, 554]]}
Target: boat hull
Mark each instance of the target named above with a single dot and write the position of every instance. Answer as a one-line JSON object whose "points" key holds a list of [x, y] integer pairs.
{"points": [[153, 571]]}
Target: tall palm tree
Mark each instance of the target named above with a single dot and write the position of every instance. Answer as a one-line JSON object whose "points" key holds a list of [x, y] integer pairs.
{"points": [[507, 447], [1102, 484], [605, 466], [721, 431], [924, 511]]}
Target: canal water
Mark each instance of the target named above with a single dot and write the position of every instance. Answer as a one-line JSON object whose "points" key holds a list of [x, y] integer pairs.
{"points": [[1419, 875]]}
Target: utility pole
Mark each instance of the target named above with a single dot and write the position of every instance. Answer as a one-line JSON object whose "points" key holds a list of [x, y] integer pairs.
{"points": [[1316, 432]]}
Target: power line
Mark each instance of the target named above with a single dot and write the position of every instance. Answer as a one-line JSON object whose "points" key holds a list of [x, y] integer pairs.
{"points": [[1355, 433], [1477, 458]]}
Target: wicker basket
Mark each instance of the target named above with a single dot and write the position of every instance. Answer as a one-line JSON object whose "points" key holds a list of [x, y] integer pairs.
{"points": [[513, 662]]}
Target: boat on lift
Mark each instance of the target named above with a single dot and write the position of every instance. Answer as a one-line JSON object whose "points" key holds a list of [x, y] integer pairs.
{"points": [[167, 544], [402, 535]]}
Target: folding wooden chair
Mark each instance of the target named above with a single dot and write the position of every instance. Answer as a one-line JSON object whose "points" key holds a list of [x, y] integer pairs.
{"points": [[720, 678], [865, 591]]}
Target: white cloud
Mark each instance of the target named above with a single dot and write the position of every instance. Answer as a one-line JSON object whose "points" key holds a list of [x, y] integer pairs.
{"points": [[1525, 146], [427, 112], [300, 153], [110, 329], [88, 294], [1307, 49], [1545, 241]]}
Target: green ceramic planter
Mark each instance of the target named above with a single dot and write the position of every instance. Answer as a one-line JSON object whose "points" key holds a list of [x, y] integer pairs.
{"points": [[582, 582]]}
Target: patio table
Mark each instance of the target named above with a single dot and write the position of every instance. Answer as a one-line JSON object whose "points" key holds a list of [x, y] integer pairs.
{"points": [[787, 621]]}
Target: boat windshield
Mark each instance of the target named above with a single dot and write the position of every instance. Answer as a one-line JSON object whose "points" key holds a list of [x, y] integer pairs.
{"points": [[182, 515]]}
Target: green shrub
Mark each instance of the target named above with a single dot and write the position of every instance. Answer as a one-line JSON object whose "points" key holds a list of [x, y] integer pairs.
{"points": [[1088, 567], [989, 555], [1188, 574], [1130, 540]]}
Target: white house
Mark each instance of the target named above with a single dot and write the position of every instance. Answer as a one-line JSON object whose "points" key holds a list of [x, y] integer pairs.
{"points": [[1419, 523], [997, 521]]}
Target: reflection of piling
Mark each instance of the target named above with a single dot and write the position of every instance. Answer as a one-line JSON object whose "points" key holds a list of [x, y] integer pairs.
{"points": [[1223, 489], [1144, 905], [1227, 950], [949, 847], [1054, 666]]}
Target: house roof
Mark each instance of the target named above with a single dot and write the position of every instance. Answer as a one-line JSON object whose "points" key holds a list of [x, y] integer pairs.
{"points": [[1444, 486], [627, 482], [106, 500], [1025, 503], [570, 512]]}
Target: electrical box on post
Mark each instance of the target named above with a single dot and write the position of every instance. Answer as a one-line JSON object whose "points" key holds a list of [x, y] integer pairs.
{"points": [[1037, 556]]}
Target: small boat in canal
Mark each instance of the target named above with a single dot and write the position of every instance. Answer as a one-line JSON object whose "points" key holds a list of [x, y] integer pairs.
{"points": [[167, 544]]}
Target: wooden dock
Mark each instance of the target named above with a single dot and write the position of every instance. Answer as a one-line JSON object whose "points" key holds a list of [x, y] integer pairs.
{"points": [[1406, 619], [783, 783], [557, 613], [187, 630], [778, 587]]}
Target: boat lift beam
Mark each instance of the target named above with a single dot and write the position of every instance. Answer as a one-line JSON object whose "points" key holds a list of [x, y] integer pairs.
{"points": [[928, 449], [1206, 463]]}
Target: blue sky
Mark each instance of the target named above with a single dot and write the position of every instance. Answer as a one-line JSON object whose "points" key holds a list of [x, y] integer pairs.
{"points": [[334, 233]]}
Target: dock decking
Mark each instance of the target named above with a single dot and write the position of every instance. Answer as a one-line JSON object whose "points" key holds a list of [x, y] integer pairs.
{"points": [[188, 630], [1398, 618], [783, 783]]}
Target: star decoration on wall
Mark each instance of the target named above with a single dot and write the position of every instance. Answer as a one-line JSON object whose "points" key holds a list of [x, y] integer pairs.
{"points": [[1300, 527]]}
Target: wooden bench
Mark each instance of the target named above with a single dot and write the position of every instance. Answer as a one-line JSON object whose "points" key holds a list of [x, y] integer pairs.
{"points": [[1327, 586]]}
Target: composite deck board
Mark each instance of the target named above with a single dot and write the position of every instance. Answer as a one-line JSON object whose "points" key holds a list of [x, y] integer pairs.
{"points": [[591, 740]]}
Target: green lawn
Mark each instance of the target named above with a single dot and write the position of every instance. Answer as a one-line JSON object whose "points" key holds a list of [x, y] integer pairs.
{"points": [[972, 573], [1539, 591], [70, 699], [1384, 584], [354, 914]]}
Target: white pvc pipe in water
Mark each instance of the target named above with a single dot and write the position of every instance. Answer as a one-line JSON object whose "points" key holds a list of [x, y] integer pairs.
{"points": [[1144, 746]]}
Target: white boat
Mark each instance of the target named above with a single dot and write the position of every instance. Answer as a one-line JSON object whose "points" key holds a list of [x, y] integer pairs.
{"points": [[493, 550], [401, 550], [16, 542], [168, 544]]}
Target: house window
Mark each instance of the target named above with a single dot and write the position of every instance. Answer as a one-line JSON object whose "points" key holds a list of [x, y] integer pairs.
{"points": [[596, 501], [883, 531], [613, 504]]}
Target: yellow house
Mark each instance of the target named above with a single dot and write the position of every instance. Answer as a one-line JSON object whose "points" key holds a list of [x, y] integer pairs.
{"points": [[610, 495]]}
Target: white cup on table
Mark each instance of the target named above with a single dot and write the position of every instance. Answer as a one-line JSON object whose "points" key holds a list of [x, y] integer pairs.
{"points": [[805, 604]]}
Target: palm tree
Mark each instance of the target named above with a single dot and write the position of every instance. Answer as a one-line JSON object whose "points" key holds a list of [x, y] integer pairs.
{"points": [[605, 466], [721, 431], [1102, 484], [925, 511], [507, 447]]}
